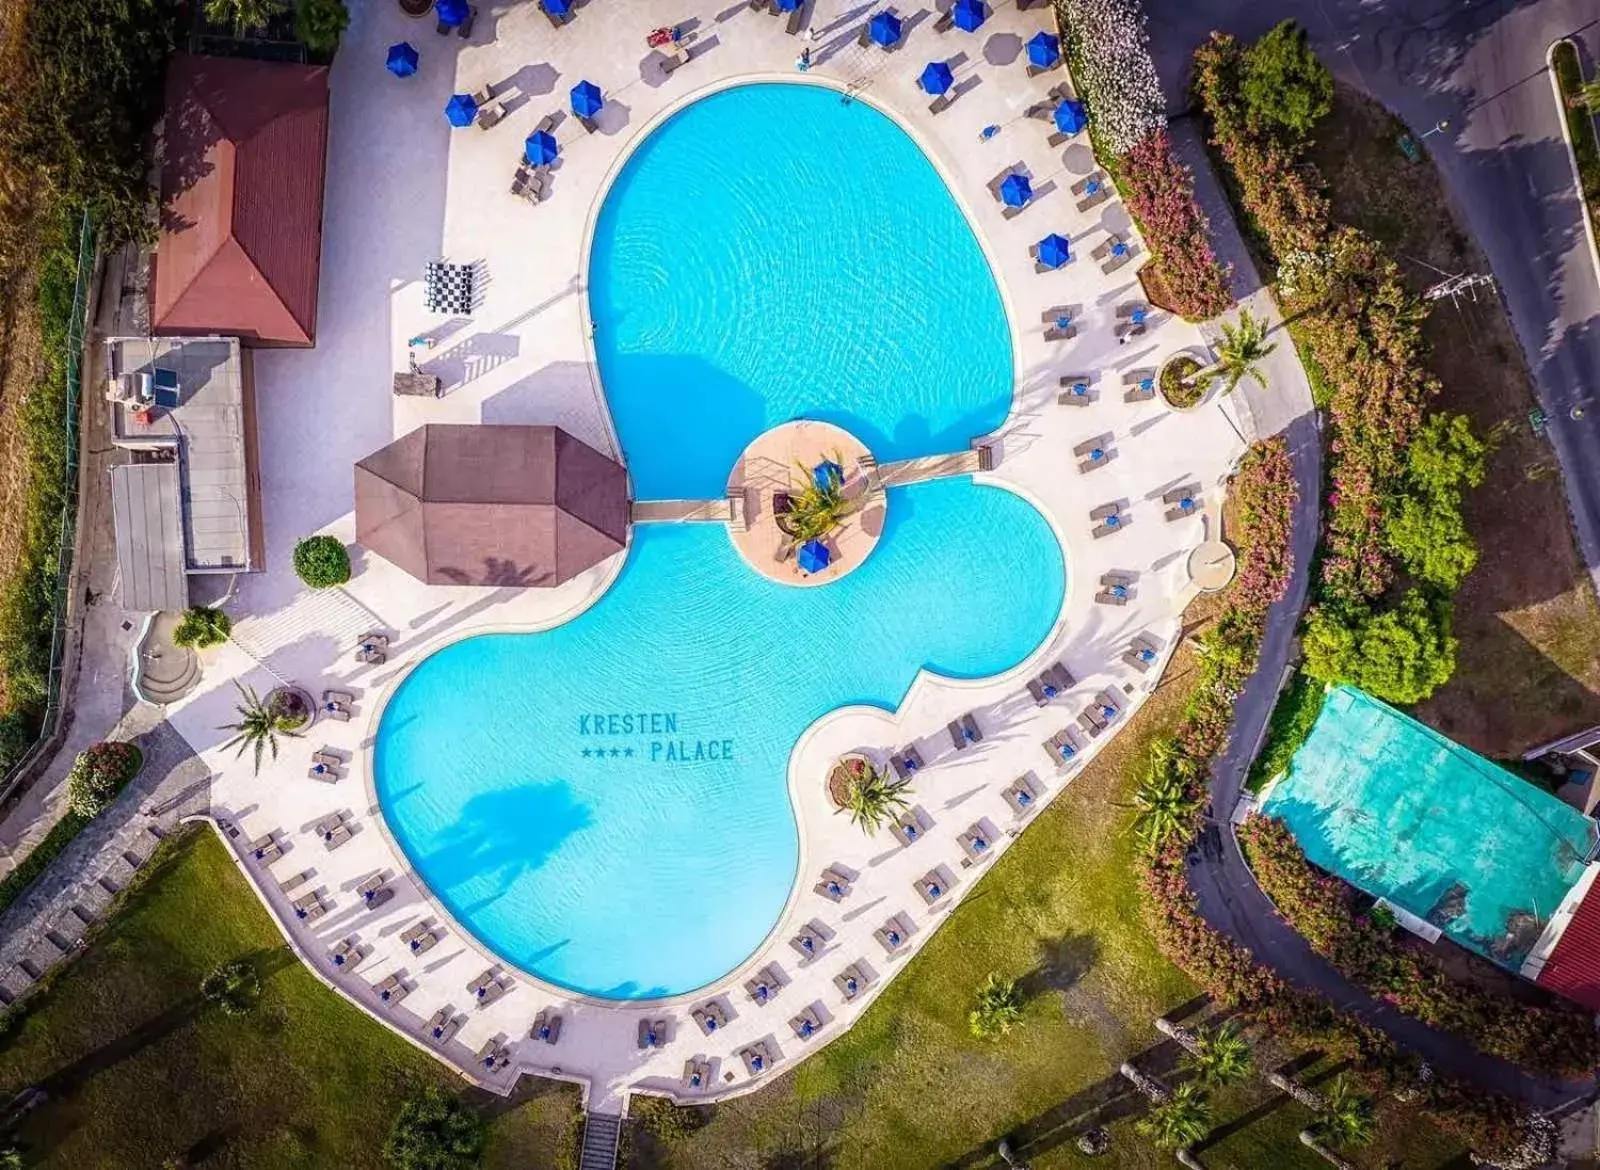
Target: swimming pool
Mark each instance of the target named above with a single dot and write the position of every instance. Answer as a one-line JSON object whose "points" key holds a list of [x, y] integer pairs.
{"points": [[605, 804]]}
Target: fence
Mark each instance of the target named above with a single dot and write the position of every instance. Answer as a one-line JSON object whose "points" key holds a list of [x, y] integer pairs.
{"points": [[59, 602]]}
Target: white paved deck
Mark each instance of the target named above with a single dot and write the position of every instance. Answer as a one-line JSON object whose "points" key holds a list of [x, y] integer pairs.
{"points": [[403, 189]]}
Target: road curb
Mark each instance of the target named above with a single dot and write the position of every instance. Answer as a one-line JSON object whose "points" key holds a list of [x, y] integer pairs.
{"points": [[1572, 156]]}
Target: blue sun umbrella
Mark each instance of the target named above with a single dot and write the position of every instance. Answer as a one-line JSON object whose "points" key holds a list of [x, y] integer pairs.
{"points": [[461, 110], [827, 474], [540, 148], [1071, 117], [1016, 190], [788, 5], [884, 29], [452, 13], [814, 556], [1044, 50], [1054, 251], [969, 14], [936, 78], [402, 60], [557, 7], [586, 99]]}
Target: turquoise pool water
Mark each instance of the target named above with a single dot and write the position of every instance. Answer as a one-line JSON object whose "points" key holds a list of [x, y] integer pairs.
{"points": [[606, 804]]}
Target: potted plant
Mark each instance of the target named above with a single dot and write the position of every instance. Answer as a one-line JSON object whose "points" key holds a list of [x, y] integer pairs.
{"points": [[867, 792]]}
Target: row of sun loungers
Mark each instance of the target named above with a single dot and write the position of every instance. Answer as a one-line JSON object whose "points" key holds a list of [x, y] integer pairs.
{"points": [[375, 891], [336, 705], [1116, 588], [906, 762], [964, 731], [1093, 190], [1059, 322], [486, 988], [1094, 453], [1113, 252], [1185, 500], [373, 648], [325, 766], [1111, 519], [1051, 683]]}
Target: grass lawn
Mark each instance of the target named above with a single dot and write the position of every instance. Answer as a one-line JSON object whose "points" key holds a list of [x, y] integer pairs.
{"points": [[1527, 617], [139, 1069]]}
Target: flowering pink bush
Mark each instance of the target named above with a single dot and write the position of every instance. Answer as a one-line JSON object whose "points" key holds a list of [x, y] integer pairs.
{"points": [[1160, 196]]}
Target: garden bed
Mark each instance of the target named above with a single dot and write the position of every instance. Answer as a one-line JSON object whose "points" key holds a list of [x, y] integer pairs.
{"points": [[1580, 125], [1179, 392]]}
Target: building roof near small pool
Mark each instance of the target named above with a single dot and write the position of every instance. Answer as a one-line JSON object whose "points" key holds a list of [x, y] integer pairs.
{"points": [[1405, 814]]}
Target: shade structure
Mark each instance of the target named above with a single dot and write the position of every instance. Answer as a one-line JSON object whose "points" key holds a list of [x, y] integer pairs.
{"points": [[540, 148], [884, 29], [1015, 190], [402, 60], [787, 5], [1071, 117], [556, 7], [969, 15], [1044, 50], [461, 110], [474, 504], [814, 557], [936, 78], [1054, 251], [586, 99], [451, 12]]}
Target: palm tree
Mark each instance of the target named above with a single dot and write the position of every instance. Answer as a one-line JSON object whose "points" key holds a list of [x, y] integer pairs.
{"points": [[258, 726], [1346, 1119], [1239, 354], [1308, 1139], [244, 15], [1223, 1058], [874, 799], [1154, 1091], [1182, 1121], [819, 506], [1165, 799], [999, 1005]]}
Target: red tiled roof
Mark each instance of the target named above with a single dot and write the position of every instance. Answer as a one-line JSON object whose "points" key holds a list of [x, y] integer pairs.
{"points": [[1573, 968], [244, 148]]}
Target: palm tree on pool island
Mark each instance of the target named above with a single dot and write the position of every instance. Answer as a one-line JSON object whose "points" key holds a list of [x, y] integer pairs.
{"points": [[872, 798], [259, 725], [1239, 354]]}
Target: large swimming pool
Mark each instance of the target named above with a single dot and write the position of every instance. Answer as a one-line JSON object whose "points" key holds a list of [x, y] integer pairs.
{"points": [[605, 804]]}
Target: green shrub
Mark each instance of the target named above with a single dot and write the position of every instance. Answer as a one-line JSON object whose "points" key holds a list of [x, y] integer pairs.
{"points": [[664, 1121], [998, 1006], [320, 23], [1401, 655], [203, 627], [1445, 456], [243, 16], [1283, 83], [234, 986], [18, 731], [61, 834], [98, 774], [1430, 537], [435, 1131], [1292, 719], [1580, 124], [321, 561]]}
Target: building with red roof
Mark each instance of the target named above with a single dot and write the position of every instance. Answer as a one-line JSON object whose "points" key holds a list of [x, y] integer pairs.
{"points": [[1567, 957], [244, 151]]}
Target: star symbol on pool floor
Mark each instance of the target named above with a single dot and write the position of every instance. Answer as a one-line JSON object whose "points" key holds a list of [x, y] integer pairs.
{"points": [[615, 752], [586, 753], [628, 752]]}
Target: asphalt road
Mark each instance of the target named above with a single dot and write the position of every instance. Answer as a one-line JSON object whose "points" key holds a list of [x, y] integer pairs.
{"points": [[1480, 65]]}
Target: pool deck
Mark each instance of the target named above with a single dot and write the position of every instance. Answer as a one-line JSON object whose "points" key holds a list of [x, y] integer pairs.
{"points": [[402, 190]]}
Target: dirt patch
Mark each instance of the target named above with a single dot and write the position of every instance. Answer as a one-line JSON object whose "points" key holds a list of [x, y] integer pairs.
{"points": [[1527, 618]]}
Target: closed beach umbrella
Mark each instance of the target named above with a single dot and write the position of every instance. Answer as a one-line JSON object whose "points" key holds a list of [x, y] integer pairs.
{"points": [[1016, 190], [936, 78], [402, 60], [969, 14], [1043, 51], [814, 556], [540, 148], [1054, 251], [1071, 117], [461, 110], [557, 7], [586, 99], [451, 12], [884, 29]]}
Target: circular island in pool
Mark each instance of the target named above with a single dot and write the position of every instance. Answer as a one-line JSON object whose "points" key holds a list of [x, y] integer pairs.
{"points": [[605, 805]]}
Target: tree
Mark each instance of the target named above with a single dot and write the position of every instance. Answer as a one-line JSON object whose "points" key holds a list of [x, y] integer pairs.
{"points": [[874, 799], [1239, 354], [434, 1131], [321, 561], [258, 726], [233, 986], [320, 23], [98, 774], [998, 1006], [1283, 83], [1180, 1122], [1401, 655], [203, 627], [1347, 1117], [1224, 1057], [818, 507], [1445, 456], [1589, 96], [1429, 535], [1166, 798], [244, 16]]}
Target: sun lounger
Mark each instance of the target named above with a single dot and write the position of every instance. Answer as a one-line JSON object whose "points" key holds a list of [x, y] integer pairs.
{"points": [[1131, 329], [442, 1026], [1141, 388], [757, 1058], [477, 987], [546, 1027], [907, 763], [1037, 691], [489, 116], [1132, 311], [932, 886], [493, 1055], [1021, 795], [975, 843], [1060, 675], [1077, 390], [264, 849], [370, 886], [908, 829], [941, 103], [710, 1016], [652, 1033], [1061, 748], [309, 907], [328, 824], [763, 986], [419, 938], [807, 944], [893, 935], [343, 698], [1114, 521], [945, 23], [336, 713], [290, 883], [376, 640], [1061, 332], [834, 885], [1109, 705], [338, 837], [851, 982], [1098, 455], [964, 731], [1117, 260], [1082, 185], [807, 1024], [344, 954], [390, 989], [696, 1073], [464, 29], [1111, 596]]}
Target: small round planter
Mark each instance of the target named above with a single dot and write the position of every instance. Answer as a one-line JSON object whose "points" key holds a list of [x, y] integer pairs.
{"points": [[415, 7], [842, 774], [1170, 382], [293, 708]]}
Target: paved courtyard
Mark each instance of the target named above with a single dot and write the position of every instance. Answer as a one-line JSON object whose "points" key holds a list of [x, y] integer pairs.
{"points": [[403, 189]]}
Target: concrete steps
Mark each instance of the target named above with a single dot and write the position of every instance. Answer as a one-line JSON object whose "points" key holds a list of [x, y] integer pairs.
{"points": [[601, 1132]]}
